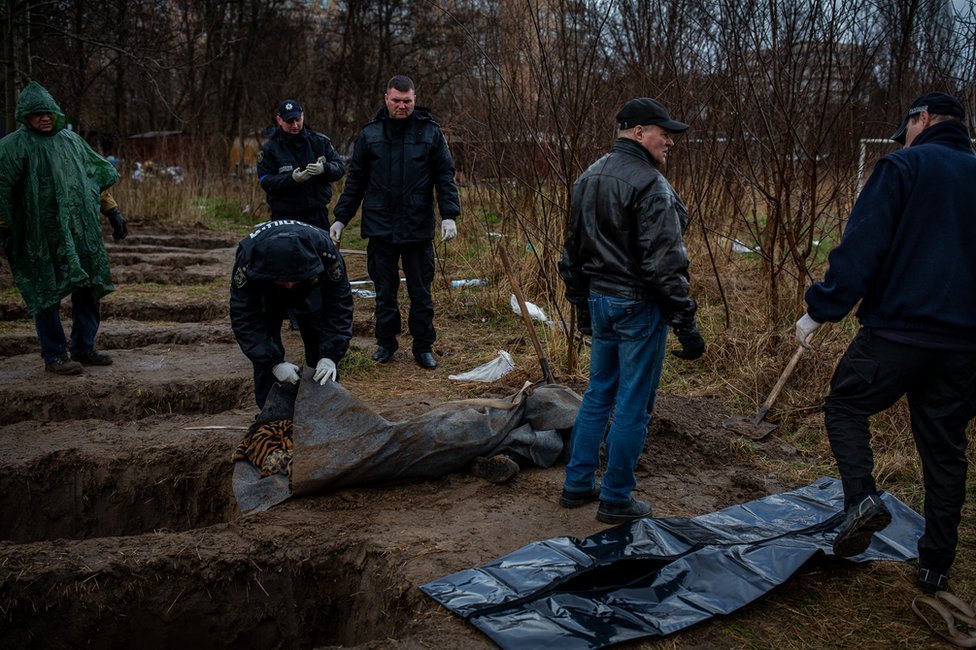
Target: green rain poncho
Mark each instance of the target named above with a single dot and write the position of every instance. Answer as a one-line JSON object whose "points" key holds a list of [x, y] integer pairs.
{"points": [[49, 204]]}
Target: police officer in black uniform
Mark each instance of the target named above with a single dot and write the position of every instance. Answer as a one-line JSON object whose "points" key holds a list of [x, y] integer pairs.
{"points": [[296, 168], [400, 164], [290, 267]]}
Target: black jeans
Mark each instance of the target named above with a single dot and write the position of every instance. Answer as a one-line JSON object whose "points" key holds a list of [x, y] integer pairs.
{"points": [[264, 379], [941, 389], [382, 259]]}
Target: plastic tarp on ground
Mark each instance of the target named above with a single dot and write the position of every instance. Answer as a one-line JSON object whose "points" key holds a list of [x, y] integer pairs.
{"points": [[655, 577], [338, 441]]}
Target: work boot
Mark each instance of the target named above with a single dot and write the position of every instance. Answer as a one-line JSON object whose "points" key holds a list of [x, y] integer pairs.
{"points": [[383, 354], [63, 366], [863, 518], [92, 358], [619, 513], [497, 469], [426, 360], [931, 580], [576, 499]]}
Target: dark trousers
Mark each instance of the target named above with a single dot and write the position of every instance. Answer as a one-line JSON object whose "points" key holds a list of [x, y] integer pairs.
{"points": [[418, 268], [941, 389], [264, 379], [84, 326]]}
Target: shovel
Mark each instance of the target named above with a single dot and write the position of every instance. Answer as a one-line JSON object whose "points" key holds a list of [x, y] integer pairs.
{"points": [[755, 427]]}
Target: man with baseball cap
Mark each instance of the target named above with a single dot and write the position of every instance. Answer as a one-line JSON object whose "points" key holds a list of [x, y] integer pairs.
{"points": [[925, 109], [906, 256], [626, 271], [296, 168]]}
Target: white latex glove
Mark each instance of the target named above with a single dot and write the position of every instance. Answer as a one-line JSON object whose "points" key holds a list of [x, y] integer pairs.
{"points": [[315, 168], [335, 232], [300, 175], [286, 372], [325, 371], [448, 229], [805, 327]]}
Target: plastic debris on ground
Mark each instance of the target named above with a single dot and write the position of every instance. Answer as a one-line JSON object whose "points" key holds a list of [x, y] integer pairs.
{"points": [[363, 293], [476, 282], [535, 312], [655, 577], [488, 372]]}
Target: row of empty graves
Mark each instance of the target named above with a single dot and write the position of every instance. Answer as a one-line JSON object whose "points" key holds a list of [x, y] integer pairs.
{"points": [[118, 521]]}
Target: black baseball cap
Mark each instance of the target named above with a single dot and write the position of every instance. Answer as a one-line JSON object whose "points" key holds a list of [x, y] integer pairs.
{"points": [[936, 103], [642, 111], [289, 109]]}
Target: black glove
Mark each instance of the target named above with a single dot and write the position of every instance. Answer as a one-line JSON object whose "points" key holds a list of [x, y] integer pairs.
{"points": [[119, 226], [583, 323], [692, 343]]}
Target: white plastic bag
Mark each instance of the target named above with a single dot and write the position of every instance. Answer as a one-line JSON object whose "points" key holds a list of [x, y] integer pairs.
{"points": [[535, 312], [488, 372]]}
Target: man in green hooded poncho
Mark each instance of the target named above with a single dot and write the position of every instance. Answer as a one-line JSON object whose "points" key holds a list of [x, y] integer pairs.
{"points": [[52, 188]]}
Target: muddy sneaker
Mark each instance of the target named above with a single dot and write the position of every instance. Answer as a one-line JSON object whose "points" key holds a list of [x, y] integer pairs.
{"points": [[619, 513], [497, 469], [92, 358], [931, 580], [63, 366], [862, 520], [577, 499]]}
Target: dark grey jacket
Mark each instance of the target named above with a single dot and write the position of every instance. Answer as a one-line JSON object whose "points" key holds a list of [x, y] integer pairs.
{"points": [[292, 251], [282, 154], [625, 235], [395, 168]]}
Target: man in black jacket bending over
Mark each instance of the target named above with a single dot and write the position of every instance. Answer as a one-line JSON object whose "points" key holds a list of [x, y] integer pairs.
{"points": [[400, 159], [290, 266], [297, 167]]}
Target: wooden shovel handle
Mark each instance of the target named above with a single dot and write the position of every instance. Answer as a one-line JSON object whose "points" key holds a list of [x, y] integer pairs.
{"points": [[546, 372], [784, 376]]}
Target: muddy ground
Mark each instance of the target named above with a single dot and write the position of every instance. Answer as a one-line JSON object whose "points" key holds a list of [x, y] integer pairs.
{"points": [[119, 526]]}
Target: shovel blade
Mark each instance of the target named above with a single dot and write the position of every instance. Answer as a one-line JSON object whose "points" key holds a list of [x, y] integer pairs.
{"points": [[748, 428]]}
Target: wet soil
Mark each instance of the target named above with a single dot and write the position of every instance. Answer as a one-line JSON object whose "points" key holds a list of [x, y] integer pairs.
{"points": [[119, 525]]}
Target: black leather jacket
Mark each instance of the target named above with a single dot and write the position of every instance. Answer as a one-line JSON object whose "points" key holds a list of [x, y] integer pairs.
{"points": [[625, 235], [282, 154], [395, 168], [292, 251]]}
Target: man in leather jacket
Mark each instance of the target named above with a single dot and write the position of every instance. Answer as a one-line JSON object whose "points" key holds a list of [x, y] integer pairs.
{"points": [[907, 257], [626, 270], [296, 168], [290, 266], [399, 161]]}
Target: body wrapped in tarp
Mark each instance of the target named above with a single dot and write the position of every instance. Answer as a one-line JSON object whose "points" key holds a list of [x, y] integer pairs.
{"points": [[339, 441], [49, 207]]}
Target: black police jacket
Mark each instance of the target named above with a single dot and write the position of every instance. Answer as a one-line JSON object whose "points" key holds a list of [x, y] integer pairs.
{"points": [[625, 235], [282, 154], [395, 170], [288, 250]]}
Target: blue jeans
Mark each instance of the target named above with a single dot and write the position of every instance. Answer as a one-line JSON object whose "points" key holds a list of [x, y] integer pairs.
{"points": [[628, 336], [84, 326]]}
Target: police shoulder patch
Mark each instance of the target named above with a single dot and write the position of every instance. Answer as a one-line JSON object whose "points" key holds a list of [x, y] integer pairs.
{"points": [[240, 277], [260, 155], [336, 271]]}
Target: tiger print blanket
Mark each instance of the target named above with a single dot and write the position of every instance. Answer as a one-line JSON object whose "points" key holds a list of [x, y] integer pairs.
{"points": [[267, 445]]}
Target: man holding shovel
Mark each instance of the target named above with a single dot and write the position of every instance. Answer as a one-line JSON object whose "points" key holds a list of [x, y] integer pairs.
{"points": [[626, 271], [907, 256]]}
